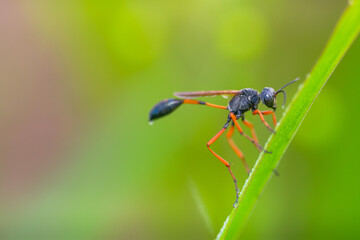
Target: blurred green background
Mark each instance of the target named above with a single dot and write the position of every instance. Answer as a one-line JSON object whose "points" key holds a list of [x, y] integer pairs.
{"points": [[79, 160]]}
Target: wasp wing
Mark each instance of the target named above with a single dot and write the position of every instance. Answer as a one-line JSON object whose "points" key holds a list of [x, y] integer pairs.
{"points": [[224, 93]]}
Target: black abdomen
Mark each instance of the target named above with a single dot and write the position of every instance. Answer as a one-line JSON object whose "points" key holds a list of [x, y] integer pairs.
{"points": [[164, 108]]}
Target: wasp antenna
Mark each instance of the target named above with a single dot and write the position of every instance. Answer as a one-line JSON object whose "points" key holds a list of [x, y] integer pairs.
{"points": [[297, 79], [281, 90]]}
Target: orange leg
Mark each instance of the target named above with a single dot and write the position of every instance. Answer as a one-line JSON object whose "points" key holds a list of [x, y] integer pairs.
{"points": [[249, 125], [233, 117], [212, 140], [273, 115], [262, 119], [235, 148], [191, 101]]}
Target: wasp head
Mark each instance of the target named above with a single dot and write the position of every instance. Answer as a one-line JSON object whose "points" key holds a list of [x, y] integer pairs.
{"points": [[268, 95]]}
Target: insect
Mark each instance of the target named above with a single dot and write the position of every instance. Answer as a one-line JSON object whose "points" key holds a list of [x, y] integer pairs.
{"points": [[243, 100]]}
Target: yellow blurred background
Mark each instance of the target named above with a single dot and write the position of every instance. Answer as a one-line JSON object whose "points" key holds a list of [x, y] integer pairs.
{"points": [[79, 160]]}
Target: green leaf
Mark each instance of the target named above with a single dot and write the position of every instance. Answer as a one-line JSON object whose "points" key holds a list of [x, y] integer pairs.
{"points": [[343, 36]]}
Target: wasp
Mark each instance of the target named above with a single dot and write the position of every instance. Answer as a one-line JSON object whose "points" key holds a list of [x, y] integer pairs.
{"points": [[242, 101]]}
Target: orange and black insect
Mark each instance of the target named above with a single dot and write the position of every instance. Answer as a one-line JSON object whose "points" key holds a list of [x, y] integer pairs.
{"points": [[243, 100]]}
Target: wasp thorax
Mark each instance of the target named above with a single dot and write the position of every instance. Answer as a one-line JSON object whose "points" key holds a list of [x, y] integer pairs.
{"points": [[267, 96]]}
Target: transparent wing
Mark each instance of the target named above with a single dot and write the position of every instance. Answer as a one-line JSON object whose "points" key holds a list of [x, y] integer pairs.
{"points": [[224, 93]]}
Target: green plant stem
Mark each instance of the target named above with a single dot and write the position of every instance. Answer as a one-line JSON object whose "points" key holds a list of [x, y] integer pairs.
{"points": [[343, 36]]}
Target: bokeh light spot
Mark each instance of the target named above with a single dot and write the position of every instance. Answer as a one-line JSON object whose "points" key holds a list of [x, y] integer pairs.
{"points": [[242, 33], [135, 37]]}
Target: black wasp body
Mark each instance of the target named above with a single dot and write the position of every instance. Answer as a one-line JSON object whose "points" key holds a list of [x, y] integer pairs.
{"points": [[243, 100]]}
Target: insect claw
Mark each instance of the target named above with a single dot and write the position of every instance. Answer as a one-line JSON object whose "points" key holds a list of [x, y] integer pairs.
{"points": [[237, 198], [271, 130]]}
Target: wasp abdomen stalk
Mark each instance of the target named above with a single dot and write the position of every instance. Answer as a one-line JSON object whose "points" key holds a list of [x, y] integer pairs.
{"points": [[164, 108]]}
